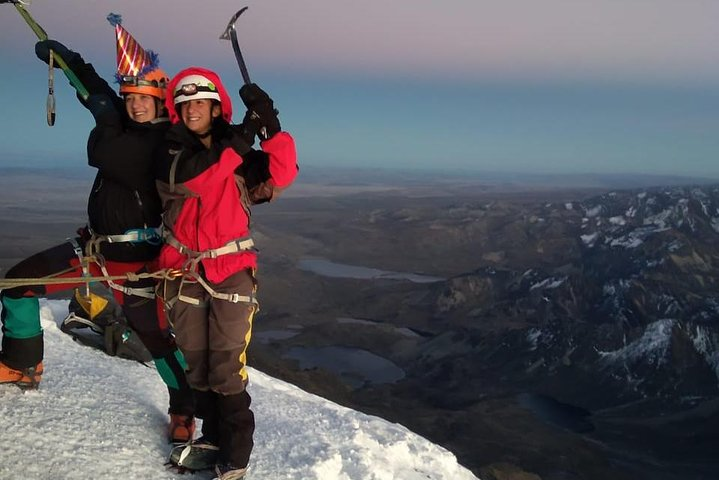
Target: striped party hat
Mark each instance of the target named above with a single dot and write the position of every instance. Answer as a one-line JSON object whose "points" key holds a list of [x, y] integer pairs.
{"points": [[132, 59]]}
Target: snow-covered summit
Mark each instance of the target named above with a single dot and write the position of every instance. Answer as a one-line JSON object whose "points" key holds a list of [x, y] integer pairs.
{"points": [[100, 417]]}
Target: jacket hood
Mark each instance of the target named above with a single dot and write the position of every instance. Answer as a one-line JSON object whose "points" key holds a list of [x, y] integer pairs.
{"points": [[213, 77]]}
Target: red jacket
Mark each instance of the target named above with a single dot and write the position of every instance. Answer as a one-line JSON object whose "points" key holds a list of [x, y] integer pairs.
{"points": [[213, 188]]}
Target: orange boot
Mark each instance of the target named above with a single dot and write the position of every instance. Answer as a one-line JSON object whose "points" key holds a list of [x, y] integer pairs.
{"points": [[26, 378], [182, 428]]}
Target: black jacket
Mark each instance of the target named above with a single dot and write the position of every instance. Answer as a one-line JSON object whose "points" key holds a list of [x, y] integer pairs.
{"points": [[123, 196]]}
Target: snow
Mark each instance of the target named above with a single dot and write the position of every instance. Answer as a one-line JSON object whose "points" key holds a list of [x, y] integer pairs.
{"points": [[627, 241], [95, 416], [652, 347], [635, 237], [715, 224], [704, 343], [589, 239], [548, 283], [594, 211], [660, 219], [703, 203], [533, 335]]}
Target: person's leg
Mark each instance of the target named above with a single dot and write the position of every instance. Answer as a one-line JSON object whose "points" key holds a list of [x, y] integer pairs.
{"points": [[201, 454], [208, 410], [189, 324], [22, 342], [229, 335], [142, 316], [237, 427]]}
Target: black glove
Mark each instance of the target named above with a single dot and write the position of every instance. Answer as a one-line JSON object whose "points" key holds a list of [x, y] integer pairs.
{"points": [[256, 100], [239, 145], [42, 50], [249, 128], [229, 138]]}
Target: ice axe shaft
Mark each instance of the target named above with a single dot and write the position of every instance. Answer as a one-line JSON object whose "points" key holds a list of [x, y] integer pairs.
{"points": [[230, 33], [42, 35]]}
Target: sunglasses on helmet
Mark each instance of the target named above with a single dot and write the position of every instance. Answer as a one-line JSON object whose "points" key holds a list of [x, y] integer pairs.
{"points": [[190, 89], [132, 81]]}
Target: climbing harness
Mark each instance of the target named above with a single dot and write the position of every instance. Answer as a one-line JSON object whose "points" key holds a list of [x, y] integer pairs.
{"points": [[92, 252], [145, 292], [188, 273], [194, 277], [84, 263], [233, 246], [149, 235], [92, 255], [190, 270], [54, 280]]}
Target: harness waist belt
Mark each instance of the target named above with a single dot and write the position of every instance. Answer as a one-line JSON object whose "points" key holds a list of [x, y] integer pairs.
{"points": [[233, 246], [150, 235], [145, 292]]}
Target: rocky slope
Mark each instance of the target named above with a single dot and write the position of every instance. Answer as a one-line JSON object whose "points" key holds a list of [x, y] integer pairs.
{"points": [[561, 321]]}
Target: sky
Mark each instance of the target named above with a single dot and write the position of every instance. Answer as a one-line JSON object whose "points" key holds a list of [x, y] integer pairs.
{"points": [[96, 416], [517, 86]]}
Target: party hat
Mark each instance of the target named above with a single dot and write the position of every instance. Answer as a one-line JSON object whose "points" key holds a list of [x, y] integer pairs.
{"points": [[132, 59]]}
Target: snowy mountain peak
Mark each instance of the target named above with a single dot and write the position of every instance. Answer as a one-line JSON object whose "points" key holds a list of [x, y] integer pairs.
{"points": [[96, 416]]}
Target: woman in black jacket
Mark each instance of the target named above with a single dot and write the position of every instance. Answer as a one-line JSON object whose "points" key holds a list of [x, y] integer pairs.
{"points": [[122, 233]]}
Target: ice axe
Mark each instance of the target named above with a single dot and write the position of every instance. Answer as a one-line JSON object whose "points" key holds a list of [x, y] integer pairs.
{"points": [[42, 35], [230, 33]]}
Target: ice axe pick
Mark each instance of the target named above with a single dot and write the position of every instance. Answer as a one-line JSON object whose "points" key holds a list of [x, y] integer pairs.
{"points": [[230, 33]]}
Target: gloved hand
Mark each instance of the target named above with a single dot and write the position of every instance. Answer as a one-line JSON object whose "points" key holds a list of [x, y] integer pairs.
{"points": [[249, 127], [239, 145], [43, 47], [256, 100], [229, 137]]}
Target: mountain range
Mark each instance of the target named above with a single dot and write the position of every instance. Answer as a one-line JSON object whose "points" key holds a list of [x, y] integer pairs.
{"points": [[560, 328], [536, 322]]}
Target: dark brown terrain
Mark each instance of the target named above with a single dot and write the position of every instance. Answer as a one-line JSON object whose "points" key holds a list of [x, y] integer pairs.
{"points": [[538, 328]]}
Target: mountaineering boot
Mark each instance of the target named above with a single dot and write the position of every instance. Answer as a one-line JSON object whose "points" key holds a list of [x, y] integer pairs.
{"points": [[182, 427], [196, 455], [25, 378], [228, 472]]}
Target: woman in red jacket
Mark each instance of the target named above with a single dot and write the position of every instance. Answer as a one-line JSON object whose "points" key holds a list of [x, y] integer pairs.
{"points": [[208, 176]]}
